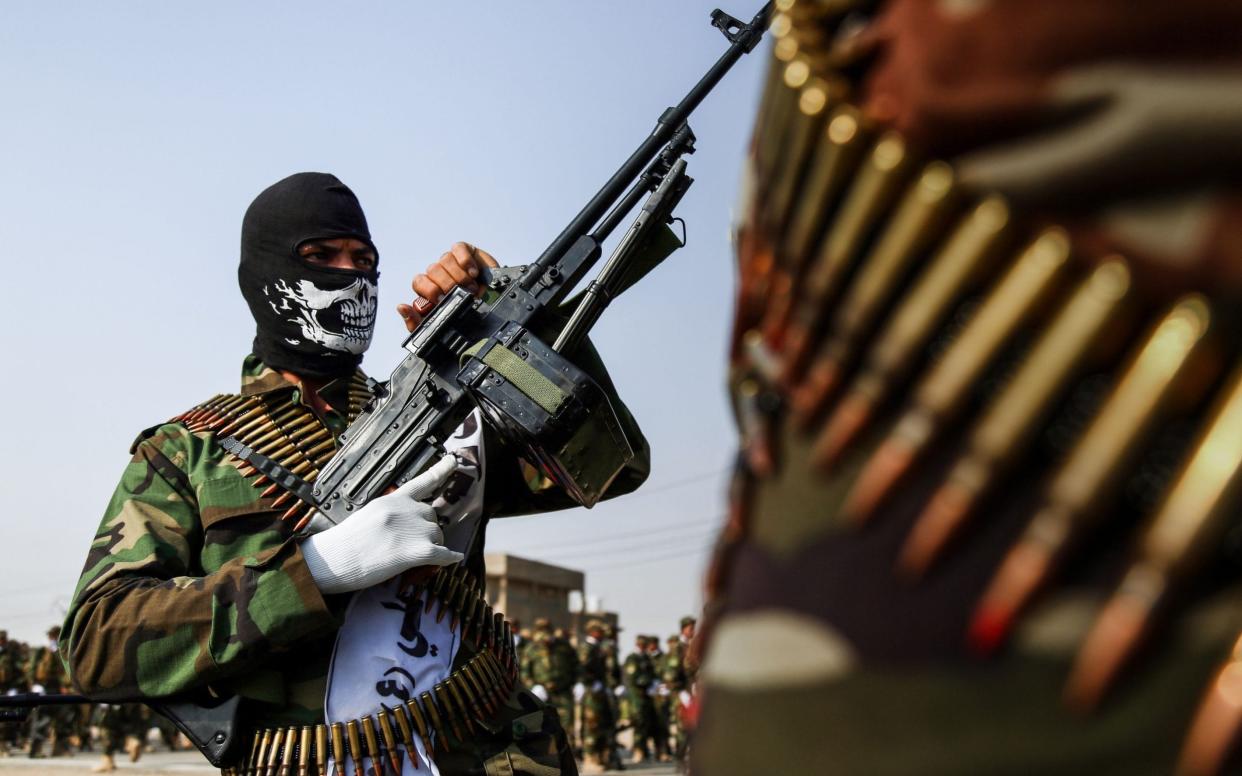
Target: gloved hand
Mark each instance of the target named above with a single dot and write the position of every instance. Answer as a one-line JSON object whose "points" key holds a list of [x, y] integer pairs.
{"points": [[579, 691], [619, 691], [388, 535], [539, 692]]}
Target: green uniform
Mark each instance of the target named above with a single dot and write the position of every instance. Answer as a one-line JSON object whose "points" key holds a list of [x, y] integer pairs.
{"points": [[674, 677], [118, 721], [193, 581], [44, 669], [599, 723], [639, 675]]}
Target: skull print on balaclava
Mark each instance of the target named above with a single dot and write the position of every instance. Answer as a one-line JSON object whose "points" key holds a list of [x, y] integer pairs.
{"points": [[313, 321]]}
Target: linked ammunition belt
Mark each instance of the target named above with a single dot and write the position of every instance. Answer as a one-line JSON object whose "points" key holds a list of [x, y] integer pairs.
{"points": [[278, 428], [870, 279], [449, 712]]}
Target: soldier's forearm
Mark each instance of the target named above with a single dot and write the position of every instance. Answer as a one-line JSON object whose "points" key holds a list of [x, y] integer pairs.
{"points": [[144, 637]]}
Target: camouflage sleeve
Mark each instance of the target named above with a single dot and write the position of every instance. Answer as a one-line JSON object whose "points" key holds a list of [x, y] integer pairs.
{"points": [[174, 596]]}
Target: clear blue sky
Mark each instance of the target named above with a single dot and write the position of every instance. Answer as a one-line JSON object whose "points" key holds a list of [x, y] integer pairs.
{"points": [[136, 133]]}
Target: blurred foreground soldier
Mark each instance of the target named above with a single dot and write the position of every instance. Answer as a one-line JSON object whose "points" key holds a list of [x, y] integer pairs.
{"points": [[201, 579], [45, 673], [640, 676], [985, 512], [599, 725]]}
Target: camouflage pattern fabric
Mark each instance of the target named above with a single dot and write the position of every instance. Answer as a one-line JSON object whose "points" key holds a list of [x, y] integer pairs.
{"points": [[117, 721], [639, 676], [187, 536], [599, 723], [820, 659]]}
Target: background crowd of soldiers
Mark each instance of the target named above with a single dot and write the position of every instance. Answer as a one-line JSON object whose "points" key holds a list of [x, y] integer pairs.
{"points": [[598, 696], [595, 692], [57, 731]]}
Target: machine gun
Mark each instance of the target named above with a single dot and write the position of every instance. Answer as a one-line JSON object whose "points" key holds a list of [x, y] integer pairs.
{"points": [[483, 352]]}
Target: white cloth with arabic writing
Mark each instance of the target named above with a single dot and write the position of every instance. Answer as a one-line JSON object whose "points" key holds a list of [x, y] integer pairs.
{"points": [[389, 649]]}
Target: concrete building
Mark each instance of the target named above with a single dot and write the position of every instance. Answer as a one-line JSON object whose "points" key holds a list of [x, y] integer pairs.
{"points": [[526, 589]]}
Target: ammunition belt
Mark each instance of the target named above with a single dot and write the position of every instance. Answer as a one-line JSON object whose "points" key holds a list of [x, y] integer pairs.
{"points": [[452, 710], [275, 426], [872, 282]]}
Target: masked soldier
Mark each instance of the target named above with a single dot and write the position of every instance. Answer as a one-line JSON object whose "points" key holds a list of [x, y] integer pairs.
{"points": [[195, 583]]}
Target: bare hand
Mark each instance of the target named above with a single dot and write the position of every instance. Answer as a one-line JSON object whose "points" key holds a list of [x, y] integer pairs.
{"points": [[461, 266]]}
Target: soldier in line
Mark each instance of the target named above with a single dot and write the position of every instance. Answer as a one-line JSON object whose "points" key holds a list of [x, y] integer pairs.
{"points": [[673, 676], [599, 723], [659, 694], [639, 675], [11, 680], [552, 667], [45, 673], [121, 726]]}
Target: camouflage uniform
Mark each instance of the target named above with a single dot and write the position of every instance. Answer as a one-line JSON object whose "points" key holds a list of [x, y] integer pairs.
{"points": [[551, 664], [639, 675], [45, 669], [119, 721], [673, 676], [187, 536], [599, 724], [10, 679]]}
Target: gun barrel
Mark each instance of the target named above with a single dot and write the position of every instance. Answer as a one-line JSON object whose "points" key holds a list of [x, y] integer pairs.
{"points": [[743, 40]]}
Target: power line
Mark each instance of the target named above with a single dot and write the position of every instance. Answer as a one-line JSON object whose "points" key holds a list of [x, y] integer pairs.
{"points": [[710, 522]]}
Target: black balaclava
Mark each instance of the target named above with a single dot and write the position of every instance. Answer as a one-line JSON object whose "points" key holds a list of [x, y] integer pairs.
{"points": [[312, 321]]}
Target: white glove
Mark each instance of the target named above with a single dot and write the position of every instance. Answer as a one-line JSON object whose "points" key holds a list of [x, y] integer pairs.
{"points": [[388, 535], [579, 691], [618, 691], [684, 697], [539, 692]]}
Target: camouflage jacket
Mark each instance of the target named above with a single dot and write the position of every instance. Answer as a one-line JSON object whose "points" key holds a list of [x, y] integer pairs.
{"points": [[44, 669], [193, 582], [639, 674], [10, 667], [592, 663]]}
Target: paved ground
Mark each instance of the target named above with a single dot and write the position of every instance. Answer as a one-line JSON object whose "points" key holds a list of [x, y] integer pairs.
{"points": [[175, 763]]}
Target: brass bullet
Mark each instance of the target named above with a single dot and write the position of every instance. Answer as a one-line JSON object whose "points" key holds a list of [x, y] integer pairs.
{"points": [[420, 724], [249, 764], [965, 256], [273, 754], [434, 720], [868, 199], [338, 748], [370, 745], [390, 740], [440, 698], [468, 711], [261, 759], [290, 747], [321, 748], [353, 740], [304, 750], [407, 733], [1001, 434]]}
